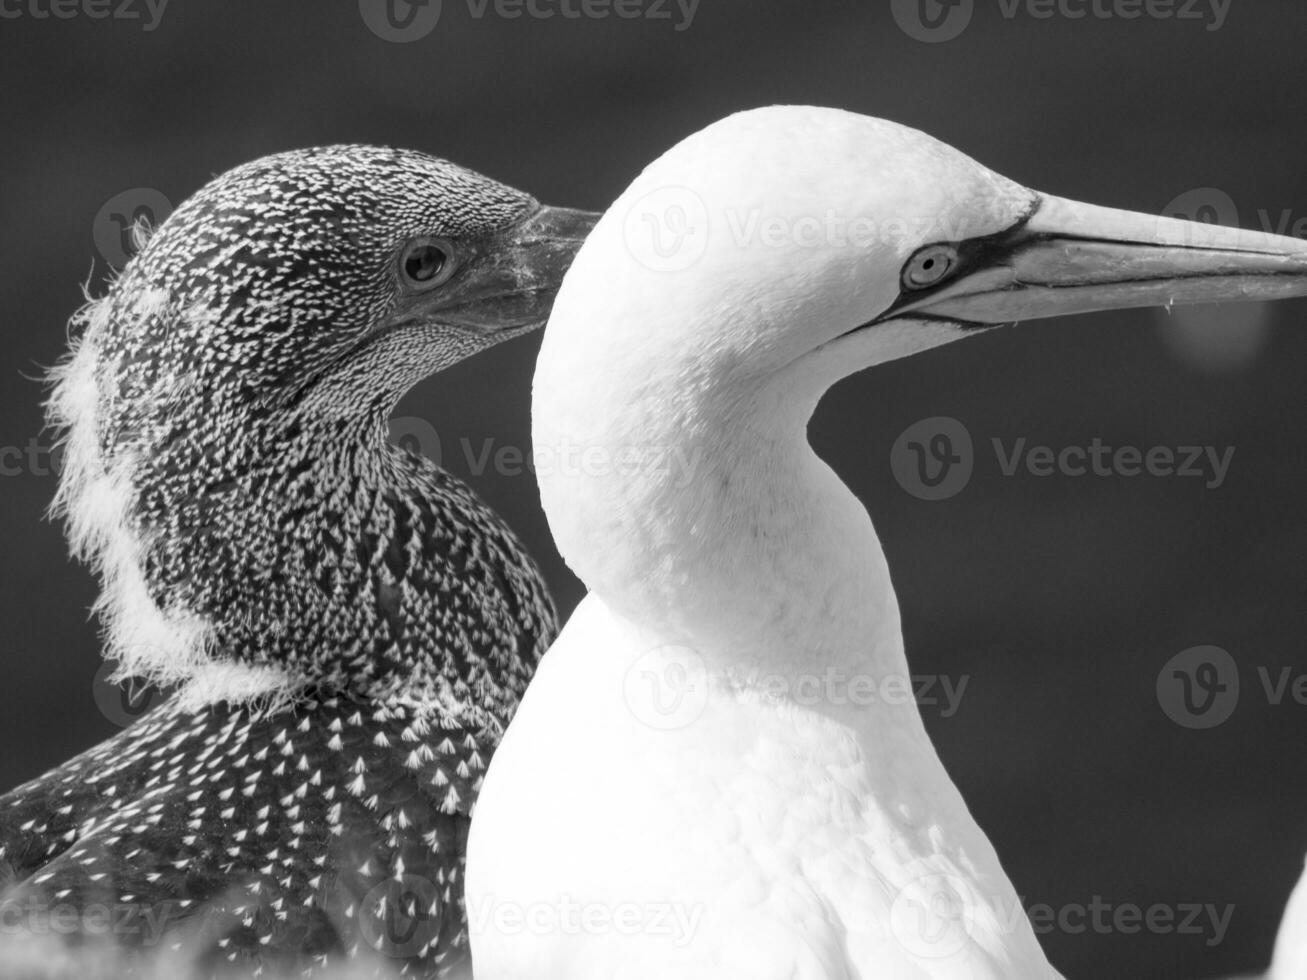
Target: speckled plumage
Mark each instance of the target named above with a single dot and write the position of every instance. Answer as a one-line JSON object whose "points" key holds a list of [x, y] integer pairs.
{"points": [[285, 833], [349, 627]]}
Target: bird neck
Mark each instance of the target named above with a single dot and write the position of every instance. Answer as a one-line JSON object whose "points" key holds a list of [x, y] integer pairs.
{"points": [[752, 553], [248, 555], [735, 538]]}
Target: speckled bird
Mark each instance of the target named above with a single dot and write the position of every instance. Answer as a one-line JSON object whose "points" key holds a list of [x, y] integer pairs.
{"points": [[346, 628]]}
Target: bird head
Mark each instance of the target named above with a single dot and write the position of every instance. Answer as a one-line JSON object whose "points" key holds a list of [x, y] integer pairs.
{"points": [[791, 231], [767, 256], [285, 273], [225, 405]]}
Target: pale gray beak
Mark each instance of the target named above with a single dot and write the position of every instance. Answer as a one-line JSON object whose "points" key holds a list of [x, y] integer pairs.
{"points": [[1068, 257]]}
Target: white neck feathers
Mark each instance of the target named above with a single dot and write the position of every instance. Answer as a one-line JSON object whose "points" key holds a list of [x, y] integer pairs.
{"points": [[164, 646]]}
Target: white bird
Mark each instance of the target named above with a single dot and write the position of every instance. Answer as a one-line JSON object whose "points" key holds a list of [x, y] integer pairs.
{"points": [[691, 787], [1290, 961]]}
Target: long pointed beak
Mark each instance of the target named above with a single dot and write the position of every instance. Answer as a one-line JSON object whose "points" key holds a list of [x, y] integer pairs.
{"points": [[1069, 257]]}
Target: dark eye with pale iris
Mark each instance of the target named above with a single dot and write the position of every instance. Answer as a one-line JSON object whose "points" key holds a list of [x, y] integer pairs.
{"points": [[929, 266], [426, 262]]}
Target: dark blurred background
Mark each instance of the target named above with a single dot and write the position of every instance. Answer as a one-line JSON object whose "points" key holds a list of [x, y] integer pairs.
{"points": [[1060, 600]]}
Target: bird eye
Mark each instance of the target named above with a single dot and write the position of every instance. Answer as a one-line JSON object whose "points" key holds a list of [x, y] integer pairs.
{"points": [[425, 262], [929, 266]]}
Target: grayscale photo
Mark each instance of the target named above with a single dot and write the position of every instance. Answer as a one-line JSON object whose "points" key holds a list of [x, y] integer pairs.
{"points": [[653, 490]]}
